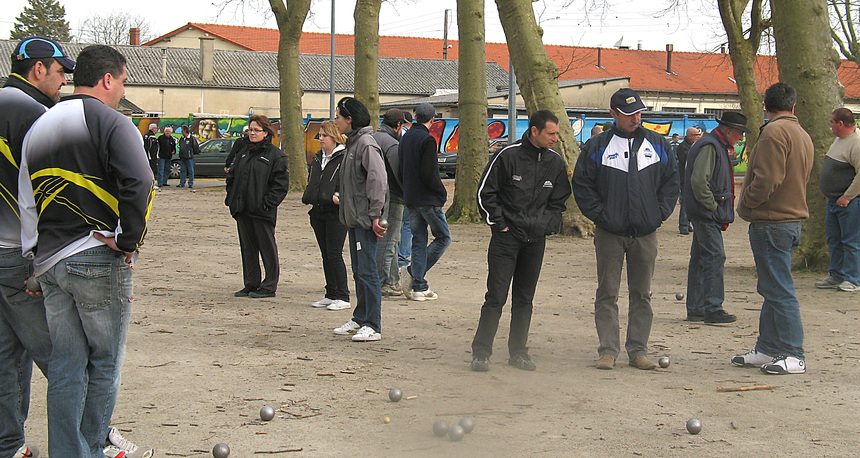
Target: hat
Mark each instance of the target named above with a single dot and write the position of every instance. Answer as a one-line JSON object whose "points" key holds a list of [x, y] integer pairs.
{"points": [[735, 120], [393, 117], [425, 111], [42, 48], [626, 101]]}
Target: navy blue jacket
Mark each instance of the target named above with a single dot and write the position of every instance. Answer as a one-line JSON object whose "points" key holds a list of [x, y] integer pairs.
{"points": [[419, 168]]}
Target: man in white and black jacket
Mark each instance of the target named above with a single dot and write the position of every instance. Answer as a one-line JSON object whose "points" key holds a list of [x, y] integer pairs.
{"points": [[522, 196]]}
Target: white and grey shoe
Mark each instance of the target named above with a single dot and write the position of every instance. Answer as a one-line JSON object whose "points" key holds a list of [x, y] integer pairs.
{"points": [[130, 449], [828, 283], [752, 358], [346, 328], [848, 287], [339, 305], [366, 334], [424, 295], [783, 365], [324, 302]]}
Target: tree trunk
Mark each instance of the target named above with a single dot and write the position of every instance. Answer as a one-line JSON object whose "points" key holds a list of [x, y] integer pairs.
{"points": [[290, 17], [473, 138], [807, 60], [743, 53], [537, 77], [367, 56]]}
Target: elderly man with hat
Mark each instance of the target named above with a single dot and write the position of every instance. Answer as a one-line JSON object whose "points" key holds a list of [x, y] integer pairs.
{"points": [[709, 202], [626, 181]]}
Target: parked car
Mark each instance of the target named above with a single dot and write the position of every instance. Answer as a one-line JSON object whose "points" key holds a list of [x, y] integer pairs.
{"points": [[210, 161], [448, 161]]}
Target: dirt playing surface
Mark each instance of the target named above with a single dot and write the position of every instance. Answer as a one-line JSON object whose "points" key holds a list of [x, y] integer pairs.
{"points": [[200, 363]]}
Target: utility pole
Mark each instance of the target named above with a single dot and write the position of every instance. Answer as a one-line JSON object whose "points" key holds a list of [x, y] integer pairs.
{"points": [[445, 37], [331, 69], [512, 102]]}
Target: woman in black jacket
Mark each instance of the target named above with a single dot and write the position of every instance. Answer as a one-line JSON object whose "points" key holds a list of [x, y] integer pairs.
{"points": [[323, 184], [256, 184]]}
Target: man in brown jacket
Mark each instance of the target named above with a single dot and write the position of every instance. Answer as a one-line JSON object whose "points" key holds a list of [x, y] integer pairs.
{"points": [[773, 200]]}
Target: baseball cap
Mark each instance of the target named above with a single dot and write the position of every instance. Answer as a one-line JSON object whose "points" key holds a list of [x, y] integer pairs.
{"points": [[426, 111], [393, 117], [42, 48], [626, 101]]}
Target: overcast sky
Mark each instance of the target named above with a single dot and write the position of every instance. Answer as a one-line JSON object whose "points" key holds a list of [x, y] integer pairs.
{"points": [[687, 31]]}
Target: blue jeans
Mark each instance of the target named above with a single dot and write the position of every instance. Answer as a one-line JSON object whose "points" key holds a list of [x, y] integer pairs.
{"points": [[186, 170], [386, 255], [163, 171], [368, 291], [780, 328], [705, 287], [88, 304], [683, 222], [424, 257], [404, 251], [24, 338], [842, 226]]}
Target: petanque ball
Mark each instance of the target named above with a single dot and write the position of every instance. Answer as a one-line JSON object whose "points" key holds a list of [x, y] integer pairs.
{"points": [[468, 424], [440, 428], [33, 285], [456, 433], [221, 450], [694, 426], [383, 223], [679, 296], [267, 413], [663, 362], [395, 394]]}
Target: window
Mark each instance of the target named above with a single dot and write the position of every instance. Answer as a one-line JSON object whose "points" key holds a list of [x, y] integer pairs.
{"points": [[679, 109]]}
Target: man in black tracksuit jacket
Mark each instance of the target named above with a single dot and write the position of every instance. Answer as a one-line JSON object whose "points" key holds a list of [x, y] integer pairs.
{"points": [[522, 196]]}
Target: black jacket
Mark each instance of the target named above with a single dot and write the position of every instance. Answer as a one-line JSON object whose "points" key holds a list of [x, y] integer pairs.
{"points": [[240, 143], [419, 169], [188, 147], [524, 189], [323, 183], [626, 184], [681, 155], [150, 144], [258, 181], [166, 146]]}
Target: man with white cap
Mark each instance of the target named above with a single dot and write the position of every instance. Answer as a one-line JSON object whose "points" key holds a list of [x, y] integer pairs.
{"points": [[626, 181]]}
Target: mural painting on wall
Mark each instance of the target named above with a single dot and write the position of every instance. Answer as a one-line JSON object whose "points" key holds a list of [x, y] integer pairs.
{"points": [[205, 128]]}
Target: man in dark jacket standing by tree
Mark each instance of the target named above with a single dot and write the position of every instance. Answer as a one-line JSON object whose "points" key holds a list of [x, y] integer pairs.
{"points": [[520, 215], [424, 195], [625, 181]]}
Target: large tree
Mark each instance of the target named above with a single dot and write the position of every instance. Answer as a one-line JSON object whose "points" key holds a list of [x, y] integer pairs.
{"points": [[113, 28], [537, 78], [290, 17], [807, 60], [42, 17], [844, 14], [366, 80], [472, 130]]}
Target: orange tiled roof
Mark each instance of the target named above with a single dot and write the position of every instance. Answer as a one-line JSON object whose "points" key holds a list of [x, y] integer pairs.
{"points": [[704, 73]]}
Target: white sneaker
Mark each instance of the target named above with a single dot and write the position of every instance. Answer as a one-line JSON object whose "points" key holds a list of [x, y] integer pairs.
{"points": [[324, 302], [26, 452], [782, 365], [406, 282], [847, 286], [751, 359], [346, 328], [112, 451], [424, 295], [366, 334], [339, 305], [131, 450]]}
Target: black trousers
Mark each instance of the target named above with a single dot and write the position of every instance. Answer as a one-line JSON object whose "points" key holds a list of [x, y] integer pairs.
{"points": [[257, 240], [509, 259], [331, 235]]}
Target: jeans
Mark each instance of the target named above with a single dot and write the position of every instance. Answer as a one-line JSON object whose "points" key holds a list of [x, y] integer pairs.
{"points": [[331, 234], [705, 287], [842, 226], [683, 222], [368, 293], [187, 169], [425, 257], [404, 251], [386, 255], [641, 254], [780, 328], [24, 338], [88, 299], [509, 259], [163, 171]]}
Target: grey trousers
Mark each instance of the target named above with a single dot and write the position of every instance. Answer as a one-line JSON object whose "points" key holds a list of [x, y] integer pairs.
{"points": [[641, 253]]}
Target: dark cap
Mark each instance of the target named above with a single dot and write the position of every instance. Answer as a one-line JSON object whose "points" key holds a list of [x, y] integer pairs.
{"points": [[626, 101], [735, 120], [42, 48], [425, 111], [393, 117]]}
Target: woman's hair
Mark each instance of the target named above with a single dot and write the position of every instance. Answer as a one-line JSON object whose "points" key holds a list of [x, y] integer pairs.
{"points": [[264, 124], [329, 128], [352, 108]]}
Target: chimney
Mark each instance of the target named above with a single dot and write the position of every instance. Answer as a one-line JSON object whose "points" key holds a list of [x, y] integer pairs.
{"points": [[669, 49], [599, 57], [134, 36], [639, 45], [207, 58], [163, 64], [722, 49]]}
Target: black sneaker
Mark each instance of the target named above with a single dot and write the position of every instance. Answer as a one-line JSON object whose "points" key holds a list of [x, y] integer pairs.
{"points": [[720, 317], [244, 291], [261, 293], [480, 364], [695, 317], [522, 362]]}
